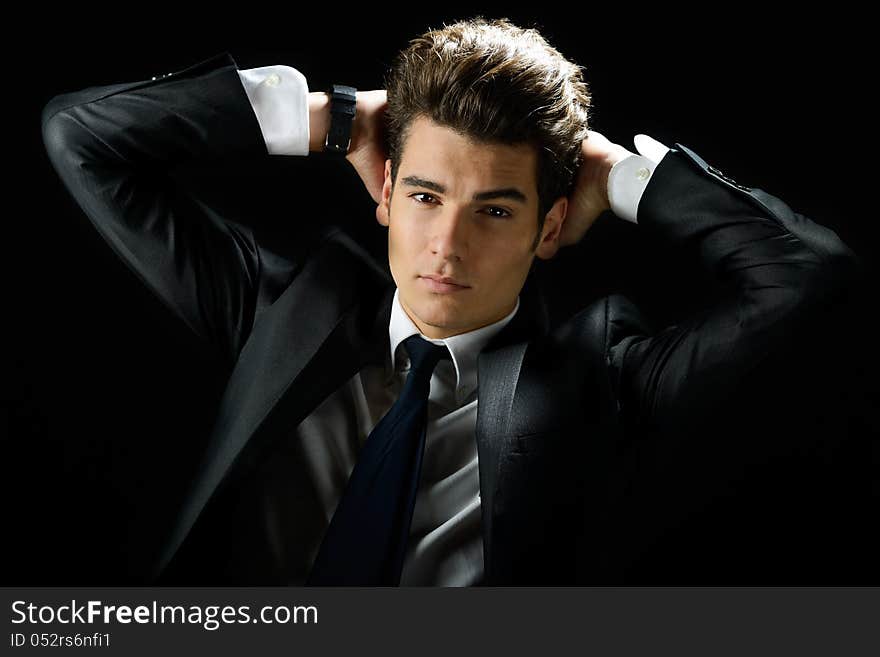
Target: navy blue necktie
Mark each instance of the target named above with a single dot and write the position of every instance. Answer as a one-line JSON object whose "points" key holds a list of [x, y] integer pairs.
{"points": [[366, 541]]}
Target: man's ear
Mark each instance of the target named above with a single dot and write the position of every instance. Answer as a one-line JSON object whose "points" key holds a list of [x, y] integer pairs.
{"points": [[553, 222], [384, 208]]}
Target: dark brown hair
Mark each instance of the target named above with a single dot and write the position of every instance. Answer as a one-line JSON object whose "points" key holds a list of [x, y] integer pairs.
{"points": [[492, 81]]}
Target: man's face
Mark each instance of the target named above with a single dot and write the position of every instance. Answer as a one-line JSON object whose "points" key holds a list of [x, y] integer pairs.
{"points": [[468, 212]]}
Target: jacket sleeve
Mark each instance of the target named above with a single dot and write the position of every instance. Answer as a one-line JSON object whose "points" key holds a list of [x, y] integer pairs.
{"points": [[774, 270], [113, 146]]}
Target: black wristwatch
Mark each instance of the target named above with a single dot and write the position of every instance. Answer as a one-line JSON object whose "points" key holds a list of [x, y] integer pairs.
{"points": [[342, 108]]}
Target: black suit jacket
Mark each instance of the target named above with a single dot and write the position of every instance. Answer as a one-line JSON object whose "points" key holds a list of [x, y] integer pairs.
{"points": [[557, 403]]}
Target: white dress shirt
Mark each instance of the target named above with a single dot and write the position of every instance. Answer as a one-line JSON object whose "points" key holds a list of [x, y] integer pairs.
{"points": [[446, 546]]}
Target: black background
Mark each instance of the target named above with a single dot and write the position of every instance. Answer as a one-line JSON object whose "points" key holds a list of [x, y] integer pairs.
{"points": [[107, 400]]}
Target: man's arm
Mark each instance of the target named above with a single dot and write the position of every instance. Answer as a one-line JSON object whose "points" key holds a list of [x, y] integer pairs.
{"points": [[774, 270], [113, 147]]}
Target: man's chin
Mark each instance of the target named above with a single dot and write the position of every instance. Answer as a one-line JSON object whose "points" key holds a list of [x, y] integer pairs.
{"points": [[436, 311]]}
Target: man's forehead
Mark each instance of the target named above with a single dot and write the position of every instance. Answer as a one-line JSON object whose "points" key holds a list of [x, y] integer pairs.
{"points": [[435, 156]]}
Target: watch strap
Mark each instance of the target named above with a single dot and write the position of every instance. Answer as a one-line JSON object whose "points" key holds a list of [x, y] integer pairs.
{"points": [[343, 103]]}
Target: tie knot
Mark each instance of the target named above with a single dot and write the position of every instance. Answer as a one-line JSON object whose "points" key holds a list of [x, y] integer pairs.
{"points": [[424, 355]]}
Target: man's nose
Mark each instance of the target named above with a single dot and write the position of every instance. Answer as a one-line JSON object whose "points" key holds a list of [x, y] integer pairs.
{"points": [[449, 238]]}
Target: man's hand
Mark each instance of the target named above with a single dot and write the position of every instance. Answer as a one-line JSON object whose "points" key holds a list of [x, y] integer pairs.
{"points": [[366, 152], [589, 197]]}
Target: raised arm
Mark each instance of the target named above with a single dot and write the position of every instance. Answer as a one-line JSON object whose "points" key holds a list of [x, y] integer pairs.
{"points": [[113, 147], [774, 270]]}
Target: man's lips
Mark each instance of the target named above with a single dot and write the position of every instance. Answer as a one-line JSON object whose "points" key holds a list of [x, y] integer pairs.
{"points": [[442, 283], [445, 279]]}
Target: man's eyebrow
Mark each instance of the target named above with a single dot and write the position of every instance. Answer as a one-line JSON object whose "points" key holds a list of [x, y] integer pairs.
{"points": [[511, 193]]}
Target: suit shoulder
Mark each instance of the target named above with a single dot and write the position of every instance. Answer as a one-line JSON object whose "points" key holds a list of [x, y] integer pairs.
{"points": [[331, 255], [351, 249], [606, 322], [624, 319]]}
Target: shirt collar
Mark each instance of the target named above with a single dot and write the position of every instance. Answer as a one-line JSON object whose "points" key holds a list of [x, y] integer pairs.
{"points": [[464, 347]]}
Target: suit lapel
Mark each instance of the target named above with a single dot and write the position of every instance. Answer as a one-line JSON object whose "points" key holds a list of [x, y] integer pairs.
{"points": [[498, 371], [315, 336]]}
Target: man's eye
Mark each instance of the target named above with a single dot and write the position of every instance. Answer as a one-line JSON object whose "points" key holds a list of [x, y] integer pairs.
{"points": [[421, 194], [500, 216]]}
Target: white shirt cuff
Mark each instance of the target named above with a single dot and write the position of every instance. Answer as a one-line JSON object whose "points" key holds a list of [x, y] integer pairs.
{"points": [[279, 95], [630, 176]]}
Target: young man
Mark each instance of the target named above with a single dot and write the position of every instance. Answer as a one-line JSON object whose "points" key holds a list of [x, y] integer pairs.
{"points": [[496, 462]]}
